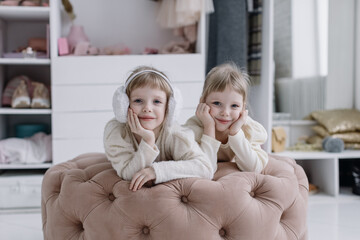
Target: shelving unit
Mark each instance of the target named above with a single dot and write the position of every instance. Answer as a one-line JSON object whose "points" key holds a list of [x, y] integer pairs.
{"points": [[299, 48], [322, 168], [17, 24]]}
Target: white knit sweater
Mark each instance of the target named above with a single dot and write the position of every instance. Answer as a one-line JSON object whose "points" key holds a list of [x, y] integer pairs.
{"points": [[176, 154], [244, 148]]}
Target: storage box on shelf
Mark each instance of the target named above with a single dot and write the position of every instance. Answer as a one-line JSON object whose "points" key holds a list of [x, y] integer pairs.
{"points": [[20, 189], [17, 25], [322, 168]]}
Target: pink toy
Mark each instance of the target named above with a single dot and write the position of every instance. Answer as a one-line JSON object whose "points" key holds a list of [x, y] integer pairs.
{"points": [[76, 35], [63, 46], [151, 51], [85, 48]]}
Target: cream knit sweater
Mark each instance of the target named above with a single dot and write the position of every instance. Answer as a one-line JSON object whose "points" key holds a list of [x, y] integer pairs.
{"points": [[244, 148], [176, 154]]}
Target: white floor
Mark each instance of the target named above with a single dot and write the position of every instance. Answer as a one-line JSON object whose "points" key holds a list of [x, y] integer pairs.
{"points": [[329, 218]]}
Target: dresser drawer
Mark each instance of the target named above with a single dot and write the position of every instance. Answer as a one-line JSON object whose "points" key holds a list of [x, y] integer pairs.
{"points": [[115, 69], [80, 125], [82, 98], [67, 98], [67, 149]]}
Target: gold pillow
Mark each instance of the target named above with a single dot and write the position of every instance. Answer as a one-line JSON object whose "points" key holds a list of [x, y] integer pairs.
{"points": [[354, 146], [338, 120], [348, 137], [320, 130]]}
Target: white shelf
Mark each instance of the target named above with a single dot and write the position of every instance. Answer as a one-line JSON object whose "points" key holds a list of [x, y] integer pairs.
{"points": [[15, 111], [319, 155], [294, 122], [24, 13], [25, 61], [26, 166]]}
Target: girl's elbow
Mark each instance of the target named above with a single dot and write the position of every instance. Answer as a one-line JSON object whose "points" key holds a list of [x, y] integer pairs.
{"points": [[209, 173]]}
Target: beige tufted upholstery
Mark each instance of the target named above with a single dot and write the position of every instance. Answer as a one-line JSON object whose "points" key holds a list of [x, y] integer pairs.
{"points": [[85, 199]]}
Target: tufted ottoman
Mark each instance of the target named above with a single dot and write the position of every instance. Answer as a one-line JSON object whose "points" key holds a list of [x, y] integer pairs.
{"points": [[85, 199]]}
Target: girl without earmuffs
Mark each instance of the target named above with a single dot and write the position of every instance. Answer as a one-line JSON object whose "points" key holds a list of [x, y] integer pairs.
{"points": [[143, 141], [222, 126]]}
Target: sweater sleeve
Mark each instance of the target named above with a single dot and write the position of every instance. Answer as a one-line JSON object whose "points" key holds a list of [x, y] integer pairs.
{"points": [[120, 151], [210, 146], [246, 144], [188, 159]]}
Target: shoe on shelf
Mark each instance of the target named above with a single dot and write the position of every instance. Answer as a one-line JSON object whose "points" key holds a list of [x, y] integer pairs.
{"points": [[20, 97], [356, 174], [40, 98], [11, 87]]}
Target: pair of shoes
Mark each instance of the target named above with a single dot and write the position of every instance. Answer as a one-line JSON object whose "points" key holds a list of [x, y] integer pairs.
{"points": [[21, 96], [356, 174]]}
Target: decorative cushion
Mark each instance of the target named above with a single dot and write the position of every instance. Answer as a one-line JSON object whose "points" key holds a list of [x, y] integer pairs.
{"points": [[85, 199], [338, 120], [347, 137]]}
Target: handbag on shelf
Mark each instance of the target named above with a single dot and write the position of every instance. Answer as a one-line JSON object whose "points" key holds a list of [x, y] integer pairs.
{"points": [[278, 139]]}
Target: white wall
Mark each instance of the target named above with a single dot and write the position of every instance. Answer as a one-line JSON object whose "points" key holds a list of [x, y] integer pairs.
{"points": [[322, 32], [282, 38], [357, 59], [305, 57], [341, 55]]}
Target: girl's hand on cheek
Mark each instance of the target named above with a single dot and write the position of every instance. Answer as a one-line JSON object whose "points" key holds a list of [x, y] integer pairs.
{"points": [[203, 113], [237, 125], [135, 126], [141, 177]]}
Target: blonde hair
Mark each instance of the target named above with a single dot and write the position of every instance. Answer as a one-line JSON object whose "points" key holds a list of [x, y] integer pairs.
{"points": [[226, 75], [148, 79]]}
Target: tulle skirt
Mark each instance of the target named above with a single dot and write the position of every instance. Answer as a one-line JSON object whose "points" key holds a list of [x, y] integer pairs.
{"points": [[180, 13]]}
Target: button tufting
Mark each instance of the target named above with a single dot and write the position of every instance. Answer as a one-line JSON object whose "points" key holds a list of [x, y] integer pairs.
{"points": [[146, 230], [111, 197], [81, 226], [184, 199], [252, 194], [222, 232]]}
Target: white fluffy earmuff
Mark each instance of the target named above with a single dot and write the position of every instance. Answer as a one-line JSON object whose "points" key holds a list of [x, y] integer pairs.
{"points": [[121, 100]]}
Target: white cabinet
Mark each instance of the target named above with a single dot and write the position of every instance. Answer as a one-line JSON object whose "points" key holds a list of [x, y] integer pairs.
{"points": [[83, 86], [17, 25]]}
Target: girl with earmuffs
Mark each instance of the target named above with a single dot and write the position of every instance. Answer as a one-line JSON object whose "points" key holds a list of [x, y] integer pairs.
{"points": [[143, 141]]}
